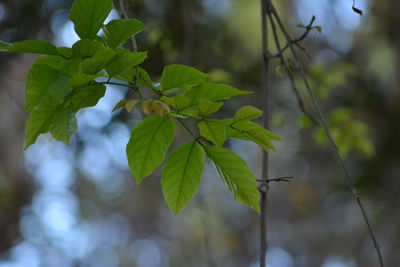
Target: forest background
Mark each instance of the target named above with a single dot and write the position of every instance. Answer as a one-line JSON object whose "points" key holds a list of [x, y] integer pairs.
{"points": [[62, 206]]}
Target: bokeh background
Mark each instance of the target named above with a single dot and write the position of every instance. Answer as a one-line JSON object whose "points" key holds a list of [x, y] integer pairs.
{"points": [[78, 205]]}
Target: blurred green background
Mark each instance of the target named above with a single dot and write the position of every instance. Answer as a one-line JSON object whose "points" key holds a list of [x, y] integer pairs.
{"points": [[79, 206]]}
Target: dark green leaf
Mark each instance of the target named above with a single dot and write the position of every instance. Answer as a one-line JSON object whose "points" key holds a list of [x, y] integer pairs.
{"points": [[87, 96], [125, 60], [89, 15], [86, 48], [119, 31], [81, 79], [99, 61], [235, 171], [30, 46], [181, 175], [179, 76], [148, 144]]}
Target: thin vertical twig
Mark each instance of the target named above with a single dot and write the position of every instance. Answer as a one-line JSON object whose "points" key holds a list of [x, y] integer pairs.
{"points": [[325, 127], [125, 15], [263, 188]]}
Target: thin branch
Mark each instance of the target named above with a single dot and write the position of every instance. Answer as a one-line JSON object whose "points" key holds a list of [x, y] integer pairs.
{"points": [[296, 41], [288, 70], [332, 143], [263, 187], [124, 15]]}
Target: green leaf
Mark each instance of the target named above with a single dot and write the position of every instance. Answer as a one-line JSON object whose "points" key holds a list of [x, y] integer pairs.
{"points": [[45, 85], [89, 15], [212, 92], [66, 52], [69, 66], [45, 93], [235, 171], [178, 102], [123, 60], [213, 131], [30, 46], [99, 61], [148, 144], [63, 124], [87, 96], [247, 130], [208, 107], [179, 76], [181, 175], [144, 79], [81, 79], [86, 48], [247, 113], [120, 30]]}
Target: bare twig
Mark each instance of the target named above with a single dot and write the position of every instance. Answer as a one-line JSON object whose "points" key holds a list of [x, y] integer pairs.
{"points": [[295, 41], [124, 15], [332, 143], [287, 179], [263, 188], [288, 70]]}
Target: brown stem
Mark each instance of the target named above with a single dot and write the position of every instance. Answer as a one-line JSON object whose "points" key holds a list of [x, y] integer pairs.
{"points": [[263, 188]]}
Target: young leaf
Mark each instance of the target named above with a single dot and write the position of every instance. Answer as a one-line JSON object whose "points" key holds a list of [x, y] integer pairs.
{"points": [[208, 107], [178, 102], [247, 113], [178, 76], [69, 66], [99, 61], [148, 144], [213, 92], [30, 46], [247, 130], [89, 15], [213, 131], [123, 60], [181, 175], [237, 173], [155, 106], [120, 30], [86, 48]]}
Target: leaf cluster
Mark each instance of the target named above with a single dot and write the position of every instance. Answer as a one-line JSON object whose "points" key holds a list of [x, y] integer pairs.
{"points": [[65, 80]]}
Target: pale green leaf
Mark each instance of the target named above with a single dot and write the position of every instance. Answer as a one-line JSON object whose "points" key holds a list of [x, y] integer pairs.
{"points": [[213, 131], [235, 170], [89, 15], [212, 92], [247, 130], [247, 113], [149, 142], [69, 66], [178, 102], [118, 31], [30, 46], [125, 59], [208, 107], [99, 61], [179, 76], [181, 175]]}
